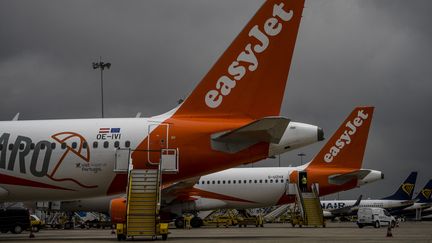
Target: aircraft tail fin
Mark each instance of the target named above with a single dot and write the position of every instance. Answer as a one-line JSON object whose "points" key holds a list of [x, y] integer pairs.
{"points": [[249, 78], [345, 149], [406, 189], [424, 195]]}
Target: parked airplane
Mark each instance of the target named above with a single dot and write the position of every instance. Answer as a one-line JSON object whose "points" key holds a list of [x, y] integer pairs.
{"points": [[343, 211], [422, 202], [337, 167], [230, 118], [399, 200]]}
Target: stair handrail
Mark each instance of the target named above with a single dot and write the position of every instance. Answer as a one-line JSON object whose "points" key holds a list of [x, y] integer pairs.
{"points": [[300, 200]]}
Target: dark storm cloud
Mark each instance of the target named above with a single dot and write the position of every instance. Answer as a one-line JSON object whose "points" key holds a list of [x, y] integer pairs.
{"points": [[348, 53]]}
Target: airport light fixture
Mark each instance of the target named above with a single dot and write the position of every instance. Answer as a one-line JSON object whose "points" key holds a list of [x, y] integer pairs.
{"points": [[101, 65]]}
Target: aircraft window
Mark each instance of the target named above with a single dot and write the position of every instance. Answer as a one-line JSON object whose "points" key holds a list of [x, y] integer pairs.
{"points": [[116, 144], [213, 182], [223, 182], [255, 181], [106, 144], [229, 182], [260, 181], [234, 181], [265, 181], [10, 146], [85, 145], [127, 144], [1, 146], [218, 182], [53, 145], [245, 181], [95, 144], [42, 146], [250, 181], [74, 145], [271, 180], [276, 181], [32, 145], [21, 146]]}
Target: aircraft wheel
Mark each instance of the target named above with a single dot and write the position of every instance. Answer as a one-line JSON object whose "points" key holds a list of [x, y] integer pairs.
{"points": [[164, 237], [179, 223], [121, 237], [196, 222]]}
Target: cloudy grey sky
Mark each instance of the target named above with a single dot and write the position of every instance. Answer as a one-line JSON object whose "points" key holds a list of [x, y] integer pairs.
{"points": [[348, 53]]}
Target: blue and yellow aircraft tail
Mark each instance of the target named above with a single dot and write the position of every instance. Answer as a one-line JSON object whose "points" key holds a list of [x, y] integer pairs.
{"points": [[424, 196], [406, 190]]}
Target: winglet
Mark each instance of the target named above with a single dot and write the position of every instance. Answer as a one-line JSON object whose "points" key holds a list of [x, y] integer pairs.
{"points": [[345, 149], [358, 201], [16, 117]]}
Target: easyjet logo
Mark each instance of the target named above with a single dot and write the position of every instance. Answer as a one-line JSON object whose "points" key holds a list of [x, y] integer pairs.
{"points": [[407, 188], [426, 193], [247, 60], [345, 138]]}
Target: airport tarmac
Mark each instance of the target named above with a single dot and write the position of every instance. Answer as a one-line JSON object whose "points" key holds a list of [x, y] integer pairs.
{"points": [[334, 232]]}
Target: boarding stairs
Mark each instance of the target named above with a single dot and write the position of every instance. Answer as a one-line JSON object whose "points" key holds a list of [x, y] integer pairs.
{"points": [[144, 192], [307, 209], [143, 202], [276, 213]]}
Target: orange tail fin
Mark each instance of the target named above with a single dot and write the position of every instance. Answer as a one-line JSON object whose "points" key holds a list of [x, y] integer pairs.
{"points": [[346, 147], [249, 78]]}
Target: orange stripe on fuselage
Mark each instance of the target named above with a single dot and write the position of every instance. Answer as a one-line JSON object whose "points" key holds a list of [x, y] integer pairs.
{"points": [[192, 137]]}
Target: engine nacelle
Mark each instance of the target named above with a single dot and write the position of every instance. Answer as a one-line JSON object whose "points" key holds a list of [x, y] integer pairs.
{"points": [[118, 210], [295, 136]]}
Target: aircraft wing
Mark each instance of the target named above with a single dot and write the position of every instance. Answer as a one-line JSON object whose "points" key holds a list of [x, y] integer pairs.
{"points": [[172, 191], [348, 210], [341, 179], [267, 129]]}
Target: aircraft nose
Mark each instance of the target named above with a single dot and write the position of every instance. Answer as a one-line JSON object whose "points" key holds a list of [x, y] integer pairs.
{"points": [[320, 134]]}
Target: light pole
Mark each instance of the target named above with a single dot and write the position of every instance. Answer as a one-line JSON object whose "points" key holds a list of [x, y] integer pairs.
{"points": [[301, 157], [101, 65]]}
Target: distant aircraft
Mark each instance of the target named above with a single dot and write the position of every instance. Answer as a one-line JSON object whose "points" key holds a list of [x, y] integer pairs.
{"points": [[399, 200], [337, 167], [343, 211], [231, 118], [423, 201]]}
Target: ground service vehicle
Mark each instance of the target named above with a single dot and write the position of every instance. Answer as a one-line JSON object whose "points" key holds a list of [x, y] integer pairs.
{"points": [[374, 217], [36, 223], [14, 220]]}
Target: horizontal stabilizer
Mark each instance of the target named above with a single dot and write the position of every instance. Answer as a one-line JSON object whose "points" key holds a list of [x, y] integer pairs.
{"points": [[341, 179], [267, 129]]}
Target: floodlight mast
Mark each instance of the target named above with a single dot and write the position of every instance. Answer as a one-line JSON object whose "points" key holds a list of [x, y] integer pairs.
{"points": [[101, 65]]}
